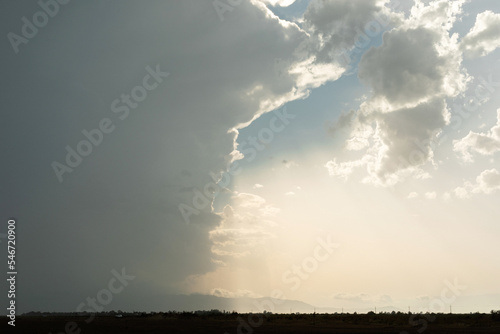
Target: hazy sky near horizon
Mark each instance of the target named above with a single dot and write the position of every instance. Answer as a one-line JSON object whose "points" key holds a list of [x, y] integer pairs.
{"points": [[342, 152]]}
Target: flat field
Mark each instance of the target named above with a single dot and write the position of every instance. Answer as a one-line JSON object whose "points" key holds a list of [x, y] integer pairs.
{"points": [[257, 323]]}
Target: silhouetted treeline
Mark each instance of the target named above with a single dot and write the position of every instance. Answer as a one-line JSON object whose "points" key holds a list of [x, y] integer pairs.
{"points": [[383, 318]]}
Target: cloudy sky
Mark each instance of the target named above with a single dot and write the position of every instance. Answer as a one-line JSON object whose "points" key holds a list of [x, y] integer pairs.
{"points": [[341, 153]]}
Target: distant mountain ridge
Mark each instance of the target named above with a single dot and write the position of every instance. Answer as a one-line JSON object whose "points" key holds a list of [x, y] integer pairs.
{"points": [[196, 302], [200, 302]]}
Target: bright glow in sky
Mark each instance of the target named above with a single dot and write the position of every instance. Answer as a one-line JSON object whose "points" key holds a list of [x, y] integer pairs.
{"points": [[354, 144], [401, 234]]}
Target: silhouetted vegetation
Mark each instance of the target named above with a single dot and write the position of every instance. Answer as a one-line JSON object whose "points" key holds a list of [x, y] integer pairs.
{"points": [[216, 321]]}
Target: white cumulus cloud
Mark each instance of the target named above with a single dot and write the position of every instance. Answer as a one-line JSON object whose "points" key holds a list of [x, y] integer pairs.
{"points": [[411, 75], [487, 182], [485, 143], [484, 37]]}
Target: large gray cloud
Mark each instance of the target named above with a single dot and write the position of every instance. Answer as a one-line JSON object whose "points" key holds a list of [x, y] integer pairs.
{"points": [[120, 206]]}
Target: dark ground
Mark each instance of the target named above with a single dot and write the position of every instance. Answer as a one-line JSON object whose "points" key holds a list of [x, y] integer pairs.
{"points": [[232, 323]]}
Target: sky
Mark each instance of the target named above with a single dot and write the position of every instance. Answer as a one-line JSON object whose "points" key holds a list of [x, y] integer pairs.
{"points": [[341, 153]]}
